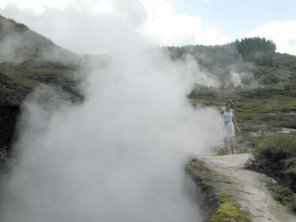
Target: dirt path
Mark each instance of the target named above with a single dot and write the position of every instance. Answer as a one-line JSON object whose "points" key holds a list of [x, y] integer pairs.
{"points": [[250, 189]]}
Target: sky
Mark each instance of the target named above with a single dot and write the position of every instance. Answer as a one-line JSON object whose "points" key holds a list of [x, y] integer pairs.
{"points": [[161, 22]]}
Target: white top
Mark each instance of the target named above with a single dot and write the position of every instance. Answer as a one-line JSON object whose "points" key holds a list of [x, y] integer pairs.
{"points": [[227, 115]]}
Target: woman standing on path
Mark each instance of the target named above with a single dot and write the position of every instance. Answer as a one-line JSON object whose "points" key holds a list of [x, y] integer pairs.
{"points": [[230, 124]]}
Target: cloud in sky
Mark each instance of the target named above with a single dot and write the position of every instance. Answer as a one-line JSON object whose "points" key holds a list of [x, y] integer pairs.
{"points": [[283, 33], [157, 20], [168, 27]]}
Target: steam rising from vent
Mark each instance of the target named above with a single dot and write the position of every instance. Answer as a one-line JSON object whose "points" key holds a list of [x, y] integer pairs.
{"points": [[242, 79], [118, 156], [192, 70]]}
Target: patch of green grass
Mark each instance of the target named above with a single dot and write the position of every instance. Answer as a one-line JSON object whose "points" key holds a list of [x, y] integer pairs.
{"points": [[259, 108], [229, 210], [198, 168], [223, 151], [29, 77]]}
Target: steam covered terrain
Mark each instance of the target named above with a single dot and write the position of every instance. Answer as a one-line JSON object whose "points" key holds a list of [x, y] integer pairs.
{"points": [[106, 138], [116, 155], [217, 73]]}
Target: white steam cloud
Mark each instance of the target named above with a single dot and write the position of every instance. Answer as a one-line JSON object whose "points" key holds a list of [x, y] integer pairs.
{"points": [[243, 79], [8, 49], [190, 68], [118, 156], [158, 21]]}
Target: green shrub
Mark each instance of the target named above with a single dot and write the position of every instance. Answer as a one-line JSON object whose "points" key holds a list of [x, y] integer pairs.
{"points": [[276, 157], [280, 146]]}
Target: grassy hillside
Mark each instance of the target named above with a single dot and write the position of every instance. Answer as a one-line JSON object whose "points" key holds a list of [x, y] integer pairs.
{"points": [[26, 60], [266, 67], [19, 44]]}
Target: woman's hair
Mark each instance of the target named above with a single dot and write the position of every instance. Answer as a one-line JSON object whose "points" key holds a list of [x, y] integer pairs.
{"points": [[230, 102]]}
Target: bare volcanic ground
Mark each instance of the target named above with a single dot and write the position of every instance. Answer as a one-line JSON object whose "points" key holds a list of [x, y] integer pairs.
{"points": [[249, 188]]}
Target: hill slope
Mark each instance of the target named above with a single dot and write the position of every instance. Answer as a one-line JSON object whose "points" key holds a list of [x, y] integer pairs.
{"points": [[26, 60], [259, 67]]}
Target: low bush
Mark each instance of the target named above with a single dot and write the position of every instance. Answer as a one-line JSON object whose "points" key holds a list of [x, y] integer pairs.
{"points": [[276, 157], [278, 148]]}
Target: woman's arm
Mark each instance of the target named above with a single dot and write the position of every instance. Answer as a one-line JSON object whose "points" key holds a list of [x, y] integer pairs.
{"points": [[221, 110], [235, 122]]}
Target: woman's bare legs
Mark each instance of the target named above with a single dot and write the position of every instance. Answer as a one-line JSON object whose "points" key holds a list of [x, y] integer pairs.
{"points": [[231, 143], [227, 141]]}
